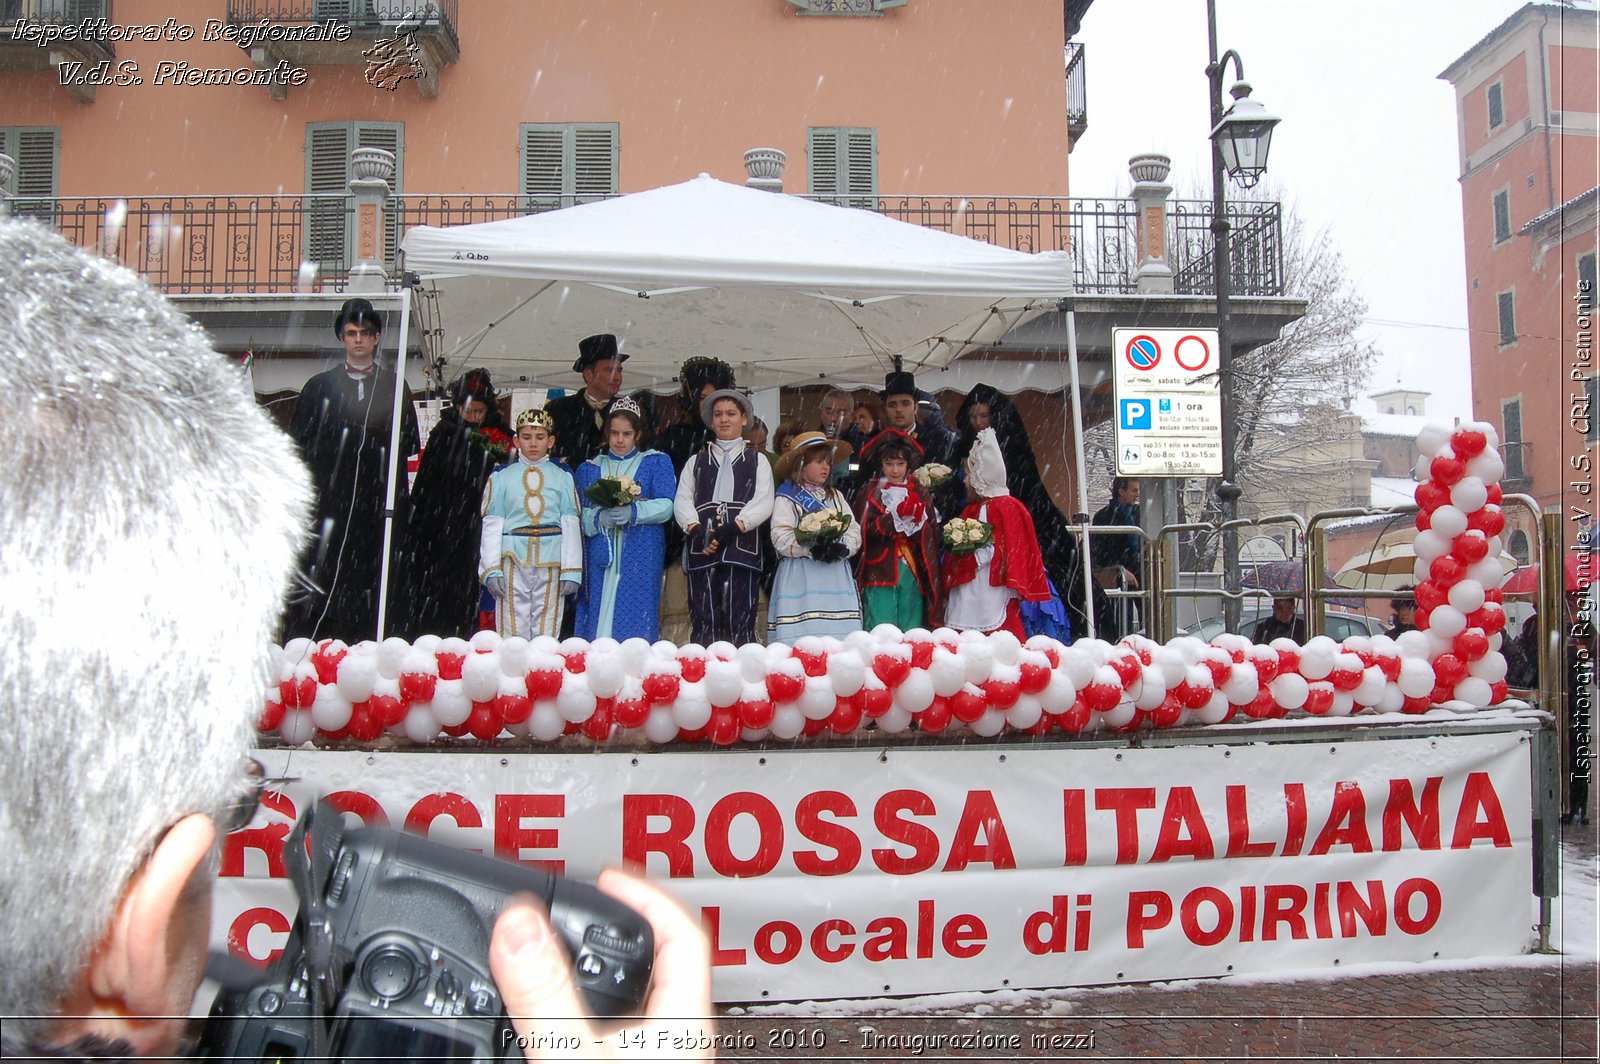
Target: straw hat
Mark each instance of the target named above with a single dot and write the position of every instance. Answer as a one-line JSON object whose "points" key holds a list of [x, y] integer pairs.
{"points": [[787, 463]]}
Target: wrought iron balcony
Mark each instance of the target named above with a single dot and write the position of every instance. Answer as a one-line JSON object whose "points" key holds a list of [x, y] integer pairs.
{"points": [[36, 34], [1518, 456], [1077, 94], [282, 244], [421, 34]]}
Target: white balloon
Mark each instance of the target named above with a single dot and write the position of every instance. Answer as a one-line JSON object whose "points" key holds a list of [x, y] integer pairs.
{"points": [[722, 649], [297, 727], [634, 653], [605, 673], [1421, 570], [1430, 544], [480, 677], [1490, 668], [787, 721], [358, 674], [1465, 595], [886, 633], [992, 723], [1005, 647], [1413, 644], [420, 725], [575, 702], [1317, 657], [513, 655], [1079, 665], [1188, 648], [1343, 705], [1468, 494], [485, 639], [692, 710], [1243, 684], [660, 727], [545, 644], [330, 710], [1488, 572], [817, 701], [1416, 677], [1488, 467], [1474, 691], [1025, 713], [1149, 688], [1290, 691], [1216, 709], [451, 706], [1171, 664], [1439, 644], [947, 672], [546, 723], [1370, 689], [1432, 437], [427, 644], [1421, 470], [915, 692], [724, 682], [1119, 715], [1448, 521], [298, 649], [895, 721], [978, 657], [1059, 694], [1447, 621], [847, 671], [1392, 700], [752, 659], [420, 663]]}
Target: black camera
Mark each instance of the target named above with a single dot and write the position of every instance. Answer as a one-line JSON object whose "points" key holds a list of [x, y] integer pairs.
{"points": [[388, 958]]}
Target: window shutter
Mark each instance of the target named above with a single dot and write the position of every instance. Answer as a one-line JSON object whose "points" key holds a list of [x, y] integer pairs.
{"points": [[1502, 216], [1508, 318], [822, 163], [1497, 111], [861, 169], [543, 166], [327, 188], [1511, 438], [389, 136], [37, 155], [594, 169]]}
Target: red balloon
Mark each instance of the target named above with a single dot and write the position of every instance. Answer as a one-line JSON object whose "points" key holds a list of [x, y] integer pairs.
{"points": [[1446, 570], [1041, 726], [1320, 698], [1448, 670], [1496, 496], [754, 713], [1470, 644], [450, 665], [1421, 616], [1416, 705], [1429, 595], [724, 727], [1471, 546], [326, 661], [417, 686], [1192, 696], [1220, 671], [1499, 691], [513, 709], [271, 715], [363, 726], [890, 669], [846, 716], [1288, 661], [967, 706], [1002, 694], [1468, 443], [784, 687], [1127, 667], [1267, 665], [1441, 693], [874, 701], [1167, 713], [814, 727], [305, 693], [456, 731], [1141, 719], [1491, 617], [1344, 679], [1424, 519], [1494, 594], [631, 712], [813, 664], [544, 684], [1035, 678], [1447, 470], [921, 653], [1262, 707], [1490, 520], [694, 669], [1431, 496], [484, 723], [1102, 696], [936, 717], [577, 661], [661, 688], [1390, 664], [1075, 719], [1053, 655]]}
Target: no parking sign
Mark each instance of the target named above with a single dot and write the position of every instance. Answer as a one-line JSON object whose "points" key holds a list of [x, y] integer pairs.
{"points": [[1168, 402]]}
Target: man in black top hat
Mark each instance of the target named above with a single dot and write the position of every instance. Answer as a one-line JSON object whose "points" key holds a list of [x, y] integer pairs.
{"points": [[580, 417], [900, 397], [342, 422]]}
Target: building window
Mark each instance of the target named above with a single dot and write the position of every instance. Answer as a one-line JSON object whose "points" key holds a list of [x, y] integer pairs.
{"points": [[1502, 216], [1497, 106], [1508, 318], [1511, 447], [330, 232], [36, 150], [1586, 278], [567, 163], [842, 166], [1517, 545], [844, 7]]}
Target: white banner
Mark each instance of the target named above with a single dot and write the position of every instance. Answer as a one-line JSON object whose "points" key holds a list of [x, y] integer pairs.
{"points": [[851, 873]]}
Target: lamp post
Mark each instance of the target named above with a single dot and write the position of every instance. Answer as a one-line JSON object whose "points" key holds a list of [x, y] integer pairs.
{"points": [[1240, 137]]}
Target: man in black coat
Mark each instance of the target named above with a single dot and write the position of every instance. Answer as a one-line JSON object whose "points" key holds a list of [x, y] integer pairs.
{"points": [[343, 423], [900, 397], [580, 417]]}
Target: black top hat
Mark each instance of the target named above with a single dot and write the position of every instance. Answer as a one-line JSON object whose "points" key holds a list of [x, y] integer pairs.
{"points": [[358, 312], [596, 348], [898, 383]]}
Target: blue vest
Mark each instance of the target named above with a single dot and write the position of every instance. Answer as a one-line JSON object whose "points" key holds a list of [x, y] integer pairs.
{"points": [[744, 550]]}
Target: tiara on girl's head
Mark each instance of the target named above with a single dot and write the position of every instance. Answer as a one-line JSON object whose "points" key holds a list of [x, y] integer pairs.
{"points": [[625, 405]]}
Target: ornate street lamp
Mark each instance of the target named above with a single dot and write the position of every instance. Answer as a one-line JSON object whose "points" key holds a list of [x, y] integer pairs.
{"points": [[1240, 138]]}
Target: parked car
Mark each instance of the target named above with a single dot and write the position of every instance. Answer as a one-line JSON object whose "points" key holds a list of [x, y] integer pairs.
{"points": [[1337, 625]]}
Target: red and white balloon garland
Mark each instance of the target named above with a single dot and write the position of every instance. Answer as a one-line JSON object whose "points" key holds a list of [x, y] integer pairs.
{"points": [[935, 681]]}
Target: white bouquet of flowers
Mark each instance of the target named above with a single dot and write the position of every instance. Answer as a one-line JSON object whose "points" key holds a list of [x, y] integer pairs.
{"points": [[963, 535], [824, 526], [614, 491], [933, 476]]}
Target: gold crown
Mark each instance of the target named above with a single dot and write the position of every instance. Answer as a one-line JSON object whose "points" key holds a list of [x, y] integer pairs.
{"points": [[539, 419]]}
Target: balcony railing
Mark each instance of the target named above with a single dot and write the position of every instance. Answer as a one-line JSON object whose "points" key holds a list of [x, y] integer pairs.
{"points": [[189, 245], [360, 15], [1077, 93]]}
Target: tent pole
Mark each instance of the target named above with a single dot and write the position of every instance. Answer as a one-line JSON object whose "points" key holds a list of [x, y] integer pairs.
{"points": [[1083, 465], [396, 459]]}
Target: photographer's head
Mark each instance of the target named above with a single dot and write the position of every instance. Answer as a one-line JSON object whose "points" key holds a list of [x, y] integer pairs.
{"points": [[143, 587]]}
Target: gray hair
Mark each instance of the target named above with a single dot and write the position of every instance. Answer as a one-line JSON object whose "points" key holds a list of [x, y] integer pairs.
{"points": [[150, 520]]}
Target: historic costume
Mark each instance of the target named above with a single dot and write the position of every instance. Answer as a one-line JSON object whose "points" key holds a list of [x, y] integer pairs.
{"points": [[342, 422], [621, 595], [938, 443], [898, 567], [580, 417], [531, 539], [679, 441], [446, 511], [985, 587], [813, 592], [726, 482]]}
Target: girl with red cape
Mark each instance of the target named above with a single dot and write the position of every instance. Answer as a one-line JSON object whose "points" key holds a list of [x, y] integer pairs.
{"points": [[984, 589]]}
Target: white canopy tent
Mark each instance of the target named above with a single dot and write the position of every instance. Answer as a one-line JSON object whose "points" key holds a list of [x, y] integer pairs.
{"points": [[786, 290]]}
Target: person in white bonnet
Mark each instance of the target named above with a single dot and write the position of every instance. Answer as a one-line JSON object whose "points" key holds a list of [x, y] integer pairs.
{"points": [[985, 588]]}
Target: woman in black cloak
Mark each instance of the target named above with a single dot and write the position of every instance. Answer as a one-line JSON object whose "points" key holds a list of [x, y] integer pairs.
{"points": [[471, 440], [987, 407]]}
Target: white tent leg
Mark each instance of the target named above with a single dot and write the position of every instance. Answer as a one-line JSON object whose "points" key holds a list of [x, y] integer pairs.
{"points": [[397, 460], [1083, 466]]}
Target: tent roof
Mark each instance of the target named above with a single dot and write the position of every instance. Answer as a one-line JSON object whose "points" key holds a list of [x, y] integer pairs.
{"points": [[787, 290]]}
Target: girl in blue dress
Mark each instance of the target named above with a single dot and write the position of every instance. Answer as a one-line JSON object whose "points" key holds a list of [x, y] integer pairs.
{"points": [[624, 546], [814, 592]]}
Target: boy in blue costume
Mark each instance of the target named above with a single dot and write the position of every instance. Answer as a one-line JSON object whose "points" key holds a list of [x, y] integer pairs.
{"points": [[624, 546], [530, 555]]}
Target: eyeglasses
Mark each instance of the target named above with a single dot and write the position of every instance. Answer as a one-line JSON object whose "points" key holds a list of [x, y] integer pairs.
{"points": [[238, 813]]}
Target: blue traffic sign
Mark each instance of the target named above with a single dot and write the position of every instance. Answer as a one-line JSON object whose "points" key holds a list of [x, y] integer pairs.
{"points": [[1134, 414], [1143, 353]]}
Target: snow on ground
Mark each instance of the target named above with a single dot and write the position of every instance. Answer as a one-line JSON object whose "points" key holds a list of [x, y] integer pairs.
{"points": [[1575, 934]]}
